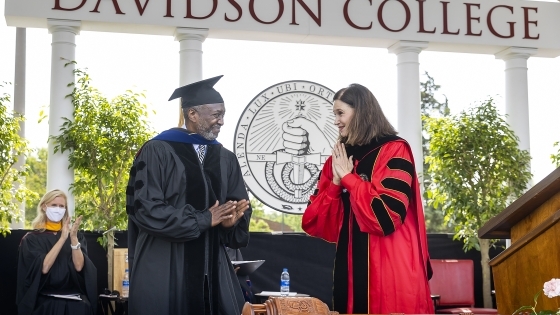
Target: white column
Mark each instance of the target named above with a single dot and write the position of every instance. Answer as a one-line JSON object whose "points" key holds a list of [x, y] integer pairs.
{"points": [[408, 99], [190, 57], [62, 73], [19, 76], [517, 95], [19, 106], [190, 53]]}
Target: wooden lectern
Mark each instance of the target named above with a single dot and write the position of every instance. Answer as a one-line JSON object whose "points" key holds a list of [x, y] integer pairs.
{"points": [[532, 224]]}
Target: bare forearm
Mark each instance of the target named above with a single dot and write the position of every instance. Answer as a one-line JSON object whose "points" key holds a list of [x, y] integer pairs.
{"points": [[77, 256], [51, 255]]}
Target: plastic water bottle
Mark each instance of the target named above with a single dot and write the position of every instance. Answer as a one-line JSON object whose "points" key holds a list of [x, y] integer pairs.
{"points": [[285, 282], [125, 284]]}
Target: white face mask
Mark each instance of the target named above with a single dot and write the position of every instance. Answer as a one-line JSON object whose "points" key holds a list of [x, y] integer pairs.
{"points": [[55, 214]]}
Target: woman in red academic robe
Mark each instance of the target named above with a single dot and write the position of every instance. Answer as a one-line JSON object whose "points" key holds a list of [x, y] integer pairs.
{"points": [[368, 202]]}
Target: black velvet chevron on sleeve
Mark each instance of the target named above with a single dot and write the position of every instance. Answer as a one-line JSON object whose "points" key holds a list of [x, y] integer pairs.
{"points": [[383, 216], [396, 205], [382, 205], [397, 163]]}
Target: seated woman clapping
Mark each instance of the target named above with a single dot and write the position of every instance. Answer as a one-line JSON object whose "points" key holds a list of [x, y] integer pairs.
{"points": [[55, 275]]}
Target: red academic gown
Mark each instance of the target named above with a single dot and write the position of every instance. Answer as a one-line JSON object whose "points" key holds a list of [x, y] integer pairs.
{"points": [[376, 219]]}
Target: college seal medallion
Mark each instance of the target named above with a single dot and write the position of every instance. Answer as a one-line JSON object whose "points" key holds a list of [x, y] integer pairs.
{"points": [[282, 139]]}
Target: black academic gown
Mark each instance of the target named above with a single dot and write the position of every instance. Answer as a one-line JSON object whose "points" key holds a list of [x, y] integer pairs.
{"points": [[244, 281], [62, 278], [173, 249]]}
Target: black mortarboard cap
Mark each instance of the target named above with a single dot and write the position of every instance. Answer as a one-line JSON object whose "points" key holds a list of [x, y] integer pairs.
{"points": [[198, 93]]}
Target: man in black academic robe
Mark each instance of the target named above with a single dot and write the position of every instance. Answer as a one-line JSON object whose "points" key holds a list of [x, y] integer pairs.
{"points": [[186, 199]]}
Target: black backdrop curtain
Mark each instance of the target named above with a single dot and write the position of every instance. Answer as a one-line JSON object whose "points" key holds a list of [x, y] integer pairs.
{"points": [[309, 261]]}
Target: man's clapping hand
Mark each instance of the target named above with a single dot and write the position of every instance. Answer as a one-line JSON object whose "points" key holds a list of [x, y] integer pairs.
{"points": [[223, 212], [240, 208]]}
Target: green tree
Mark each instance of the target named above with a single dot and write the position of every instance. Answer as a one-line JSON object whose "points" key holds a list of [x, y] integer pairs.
{"points": [[291, 220], [555, 157], [36, 181], [257, 223], [477, 169], [431, 107], [12, 147], [102, 137]]}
